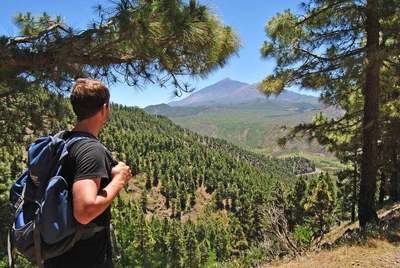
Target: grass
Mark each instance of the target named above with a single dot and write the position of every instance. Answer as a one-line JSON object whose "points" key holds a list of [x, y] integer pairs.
{"points": [[374, 253], [325, 162], [379, 248]]}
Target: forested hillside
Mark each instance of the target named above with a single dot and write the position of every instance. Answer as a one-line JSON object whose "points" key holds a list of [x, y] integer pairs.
{"points": [[254, 126], [189, 191], [239, 113]]}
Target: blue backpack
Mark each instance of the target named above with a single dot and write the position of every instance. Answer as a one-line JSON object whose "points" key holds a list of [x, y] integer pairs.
{"points": [[44, 225]]}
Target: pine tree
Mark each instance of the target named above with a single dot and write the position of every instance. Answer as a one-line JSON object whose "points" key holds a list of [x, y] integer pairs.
{"points": [[175, 245], [237, 241], [221, 244], [124, 214], [340, 49], [319, 205], [143, 201], [133, 42], [193, 254], [183, 196], [144, 242], [295, 203]]}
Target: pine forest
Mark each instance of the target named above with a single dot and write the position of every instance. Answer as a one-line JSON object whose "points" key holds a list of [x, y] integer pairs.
{"points": [[201, 201], [197, 201]]}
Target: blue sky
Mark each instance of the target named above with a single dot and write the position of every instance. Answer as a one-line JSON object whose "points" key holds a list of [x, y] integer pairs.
{"points": [[248, 18]]}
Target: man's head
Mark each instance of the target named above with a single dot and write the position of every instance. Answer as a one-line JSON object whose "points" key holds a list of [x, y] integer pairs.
{"points": [[88, 97]]}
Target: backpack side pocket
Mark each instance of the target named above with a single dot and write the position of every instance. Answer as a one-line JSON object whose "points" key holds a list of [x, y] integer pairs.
{"points": [[56, 218]]}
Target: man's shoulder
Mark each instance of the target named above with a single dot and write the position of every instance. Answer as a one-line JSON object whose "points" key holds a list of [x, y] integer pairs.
{"points": [[67, 134], [88, 146]]}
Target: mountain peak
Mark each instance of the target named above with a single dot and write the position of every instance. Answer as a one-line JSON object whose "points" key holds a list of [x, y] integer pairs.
{"points": [[213, 93], [228, 91]]}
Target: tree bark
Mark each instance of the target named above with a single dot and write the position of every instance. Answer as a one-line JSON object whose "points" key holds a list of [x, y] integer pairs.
{"points": [[354, 199], [367, 211], [382, 186], [394, 185]]}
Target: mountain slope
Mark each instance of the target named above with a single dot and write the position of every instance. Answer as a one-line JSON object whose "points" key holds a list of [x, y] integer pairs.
{"points": [[166, 154], [215, 93], [230, 92], [237, 112]]}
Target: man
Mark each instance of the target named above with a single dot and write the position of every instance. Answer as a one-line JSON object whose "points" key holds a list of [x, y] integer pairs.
{"points": [[95, 182]]}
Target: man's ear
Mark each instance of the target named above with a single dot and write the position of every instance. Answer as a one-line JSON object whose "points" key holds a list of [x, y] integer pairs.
{"points": [[104, 108]]}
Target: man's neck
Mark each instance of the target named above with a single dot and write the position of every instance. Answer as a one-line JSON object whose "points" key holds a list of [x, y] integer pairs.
{"points": [[85, 126]]}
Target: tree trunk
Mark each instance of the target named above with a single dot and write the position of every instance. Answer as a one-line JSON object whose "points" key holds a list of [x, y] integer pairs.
{"points": [[354, 199], [382, 186], [366, 203], [394, 195]]}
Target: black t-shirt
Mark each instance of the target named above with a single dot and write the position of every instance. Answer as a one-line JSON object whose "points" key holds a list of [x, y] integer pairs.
{"points": [[87, 159]]}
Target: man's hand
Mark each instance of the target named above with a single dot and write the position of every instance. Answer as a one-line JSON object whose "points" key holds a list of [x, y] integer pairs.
{"points": [[89, 202], [121, 173]]}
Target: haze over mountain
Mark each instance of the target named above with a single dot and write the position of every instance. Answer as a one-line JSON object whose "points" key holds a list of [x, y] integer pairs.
{"points": [[231, 92], [239, 113], [237, 95]]}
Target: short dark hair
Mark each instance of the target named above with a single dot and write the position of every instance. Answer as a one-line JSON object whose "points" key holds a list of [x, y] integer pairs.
{"points": [[88, 97]]}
